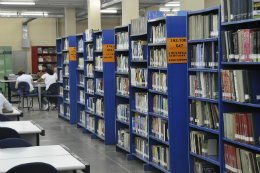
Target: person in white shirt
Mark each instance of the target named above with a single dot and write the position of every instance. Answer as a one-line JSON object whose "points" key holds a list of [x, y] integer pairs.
{"points": [[25, 78], [49, 78], [5, 106]]}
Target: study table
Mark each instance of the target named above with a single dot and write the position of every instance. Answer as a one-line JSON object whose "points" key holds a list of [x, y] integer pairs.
{"points": [[59, 156], [28, 130], [9, 90], [15, 115]]}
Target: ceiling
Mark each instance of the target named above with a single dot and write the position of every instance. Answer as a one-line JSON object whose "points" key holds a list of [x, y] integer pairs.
{"points": [[56, 7]]}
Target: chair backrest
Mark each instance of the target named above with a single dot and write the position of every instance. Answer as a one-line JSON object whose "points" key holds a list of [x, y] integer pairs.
{"points": [[14, 143], [6, 133], [12, 86], [23, 87], [53, 88], [5, 78], [4, 118], [36, 167]]}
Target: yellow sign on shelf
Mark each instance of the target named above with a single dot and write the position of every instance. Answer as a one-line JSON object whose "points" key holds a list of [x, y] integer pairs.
{"points": [[177, 50], [108, 53], [73, 53]]}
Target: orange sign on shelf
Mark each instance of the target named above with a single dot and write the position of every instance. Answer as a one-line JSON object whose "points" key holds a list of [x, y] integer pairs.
{"points": [[177, 50], [108, 53], [73, 53]]}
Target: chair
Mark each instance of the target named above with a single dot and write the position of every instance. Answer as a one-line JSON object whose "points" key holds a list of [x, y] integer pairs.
{"points": [[14, 143], [4, 118], [1, 90], [23, 88], [52, 93], [6, 84], [35, 167], [6, 133], [12, 87]]}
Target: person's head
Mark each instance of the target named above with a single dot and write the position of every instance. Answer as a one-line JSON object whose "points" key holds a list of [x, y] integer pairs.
{"points": [[44, 67], [55, 69], [49, 71], [21, 72]]}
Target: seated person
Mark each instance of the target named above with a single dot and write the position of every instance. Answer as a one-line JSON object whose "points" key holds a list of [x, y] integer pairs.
{"points": [[49, 78], [25, 78], [5, 106], [43, 71]]}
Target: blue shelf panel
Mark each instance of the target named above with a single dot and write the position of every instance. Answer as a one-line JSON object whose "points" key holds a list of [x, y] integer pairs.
{"points": [[253, 147], [99, 94], [65, 50], [80, 69], [159, 116], [159, 140], [100, 116], [123, 122], [64, 116], [203, 99], [90, 131], [81, 124], [101, 71], [159, 167], [240, 63], [80, 52], [59, 67], [204, 70], [157, 19], [66, 63], [66, 76], [119, 95], [211, 159], [122, 73], [81, 103], [61, 96], [158, 92], [139, 157], [157, 68], [60, 82], [241, 21], [133, 110], [122, 26], [89, 94], [89, 60], [240, 103], [156, 44], [139, 60], [66, 89], [215, 131], [139, 87], [59, 53], [89, 41], [137, 35], [101, 137], [121, 50], [80, 86], [98, 51], [139, 135], [66, 102], [203, 40], [123, 148], [90, 112], [204, 10], [90, 77]]}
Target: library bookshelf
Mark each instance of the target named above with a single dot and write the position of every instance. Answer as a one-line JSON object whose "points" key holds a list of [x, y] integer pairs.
{"points": [[68, 98]]}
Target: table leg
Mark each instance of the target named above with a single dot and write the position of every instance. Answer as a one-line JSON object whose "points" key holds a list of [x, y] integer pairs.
{"points": [[40, 96], [9, 93]]}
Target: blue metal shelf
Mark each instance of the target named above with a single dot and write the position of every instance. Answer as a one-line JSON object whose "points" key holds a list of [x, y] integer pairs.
{"points": [[66, 76], [123, 122], [157, 19], [80, 86], [119, 95], [211, 159], [139, 157], [158, 92], [65, 50], [123, 148], [59, 53], [215, 131], [157, 68], [139, 61], [68, 118], [99, 94], [133, 110], [101, 71], [203, 99], [81, 124], [159, 116], [80, 52], [59, 67], [240, 103], [139, 87], [122, 26], [61, 96], [60, 82], [81, 103], [138, 35], [66, 63], [66, 102], [157, 44], [89, 112], [240, 63], [241, 22], [121, 50], [100, 116], [80, 69], [159, 140], [253, 147], [203, 40], [89, 41], [91, 77], [140, 135], [203, 70], [101, 137], [122, 73], [98, 51], [89, 94], [89, 60], [159, 167], [204, 10], [90, 131], [66, 89]]}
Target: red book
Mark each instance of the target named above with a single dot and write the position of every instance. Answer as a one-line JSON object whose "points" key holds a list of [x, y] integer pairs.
{"points": [[153, 105], [226, 157], [237, 129], [247, 44], [249, 129], [241, 131], [245, 128], [234, 157]]}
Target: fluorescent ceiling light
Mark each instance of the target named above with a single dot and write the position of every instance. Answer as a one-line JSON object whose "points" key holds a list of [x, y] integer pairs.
{"points": [[165, 10], [108, 11], [172, 5], [175, 10], [17, 3], [34, 14], [8, 14]]}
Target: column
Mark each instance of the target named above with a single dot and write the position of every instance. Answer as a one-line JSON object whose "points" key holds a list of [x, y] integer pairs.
{"points": [[130, 10], [154, 8], [192, 5], [94, 16], [70, 21]]}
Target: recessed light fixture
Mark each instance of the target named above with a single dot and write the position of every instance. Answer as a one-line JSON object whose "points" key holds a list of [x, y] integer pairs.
{"points": [[165, 10], [8, 14], [34, 14], [17, 3], [175, 10], [108, 11]]}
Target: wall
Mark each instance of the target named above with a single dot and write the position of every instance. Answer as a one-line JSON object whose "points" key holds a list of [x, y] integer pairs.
{"points": [[211, 3], [42, 32]]}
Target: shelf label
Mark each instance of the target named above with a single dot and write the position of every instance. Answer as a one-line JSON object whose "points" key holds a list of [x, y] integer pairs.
{"points": [[108, 53], [73, 53], [177, 50]]}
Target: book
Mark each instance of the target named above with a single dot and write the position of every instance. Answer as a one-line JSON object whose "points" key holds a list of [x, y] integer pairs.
{"points": [[139, 49], [45, 50], [139, 77], [90, 86], [66, 44], [141, 124], [101, 127], [100, 107], [39, 50], [100, 85], [66, 57], [90, 70], [90, 51], [160, 105], [67, 96], [51, 50], [123, 112], [160, 128], [124, 138], [91, 104], [122, 64], [62, 109], [68, 110], [91, 123], [142, 147], [139, 26], [160, 156], [61, 91], [122, 40], [99, 44], [141, 102], [82, 117], [81, 63], [99, 63], [81, 79], [89, 34], [159, 82], [60, 76], [203, 166], [82, 96], [122, 85], [158, 57], [80, 45], [67, 83], [158, 33]]}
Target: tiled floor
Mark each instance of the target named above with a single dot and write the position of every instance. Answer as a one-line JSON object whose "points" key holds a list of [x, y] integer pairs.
{"points": [[102, 158]]}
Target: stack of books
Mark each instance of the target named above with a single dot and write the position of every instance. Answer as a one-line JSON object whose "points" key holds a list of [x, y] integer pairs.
{"points": [[99, 44], [158, 33], [82, 96], [80, 45], [90, 70], [91, 104], [90, 51], [122, 85], [122, 64], [204, 85], [81, 79], [139, 77], [66, 57], [203, 26], [100, 106], [68, 110], [122, 40], [139, 26], [161, 156], [61, 109], [203, 166], [99, 63], [140, 124], [60, 76], [124, 138], [160, 128], [90, 86], [160, 105], [142, 147], [91, 123], [158, 57], [67, 83], [82, 117], [101, 127], [100, 85], [66, 44], [123, 112], [61, 91], [141, 102], [67, 70], [204, 114], [159, 82], [81, 63], [138, 50], [89, 33]]}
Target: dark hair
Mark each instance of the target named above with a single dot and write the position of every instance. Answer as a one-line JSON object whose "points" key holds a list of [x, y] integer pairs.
{"points": [[44, 65], [21, 72], [49, 71]]}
